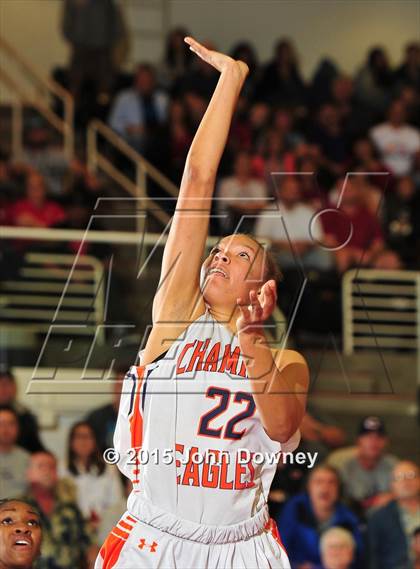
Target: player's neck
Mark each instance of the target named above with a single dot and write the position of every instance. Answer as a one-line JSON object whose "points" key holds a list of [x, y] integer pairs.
{"points": [[225, 316]]}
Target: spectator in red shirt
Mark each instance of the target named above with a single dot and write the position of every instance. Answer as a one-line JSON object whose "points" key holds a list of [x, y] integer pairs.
{"points": [[355, 233], [35, 209]]}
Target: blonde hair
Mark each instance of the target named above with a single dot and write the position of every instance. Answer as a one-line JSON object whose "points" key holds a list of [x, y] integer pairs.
{"points": [[340, 533]]}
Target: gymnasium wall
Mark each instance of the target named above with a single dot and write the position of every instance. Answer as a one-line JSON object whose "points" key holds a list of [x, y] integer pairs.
{"points": [[341, 28]]}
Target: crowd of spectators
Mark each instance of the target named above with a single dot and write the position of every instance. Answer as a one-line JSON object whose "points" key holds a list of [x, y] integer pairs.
{"points": [[356, 507], [327, 168]]}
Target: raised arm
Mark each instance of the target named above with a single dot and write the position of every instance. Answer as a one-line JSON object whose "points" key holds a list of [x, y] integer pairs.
{"points": [[179, 281]]}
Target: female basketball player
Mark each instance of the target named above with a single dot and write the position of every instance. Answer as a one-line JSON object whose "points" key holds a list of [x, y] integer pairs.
{"points": [[210, 396], [20, 534]]}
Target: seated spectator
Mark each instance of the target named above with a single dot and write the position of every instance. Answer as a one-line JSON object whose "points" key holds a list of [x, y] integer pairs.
{"points": [[98, 484], [328, 134], [19, 522], [284, 125], [176, 141], [28, 426], [355, 234], [409, 71], [391, 527], [239, 196], [42, 154], [374, 83], [369, 192], [270, 156], [103, 419], [177, 59], [13, 459], [281, 82], [366, 476], [298, 235], [401, 222], [138, 112], [397, 142], [35, 209], [366, 159], [337, 549], [67, 543], [306, 516]]}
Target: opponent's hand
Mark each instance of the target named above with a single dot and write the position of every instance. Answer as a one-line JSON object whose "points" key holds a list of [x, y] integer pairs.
{"points": [[253, 315], [216, 59]]}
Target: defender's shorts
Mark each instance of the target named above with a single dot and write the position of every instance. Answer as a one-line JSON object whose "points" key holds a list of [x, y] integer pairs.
{"points": [[162, 541]]}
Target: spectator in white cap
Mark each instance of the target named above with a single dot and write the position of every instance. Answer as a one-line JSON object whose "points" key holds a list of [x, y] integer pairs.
{"points": [[367, 475], [337, 547]]}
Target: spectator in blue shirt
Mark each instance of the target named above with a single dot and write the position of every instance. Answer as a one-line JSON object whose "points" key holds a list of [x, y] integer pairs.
{"points": [[306, 516], [139, 112]]}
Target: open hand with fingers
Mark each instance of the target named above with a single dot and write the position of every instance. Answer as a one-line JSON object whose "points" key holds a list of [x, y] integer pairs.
{"points": [[218, 60], [260, 307]]}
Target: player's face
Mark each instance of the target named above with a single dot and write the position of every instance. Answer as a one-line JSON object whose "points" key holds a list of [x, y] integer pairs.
{"points": [[20, 535], [234, 267]]}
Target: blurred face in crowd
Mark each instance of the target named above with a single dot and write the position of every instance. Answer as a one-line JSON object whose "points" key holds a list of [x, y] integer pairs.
{"points": [[342, 88], [42, 470], [7, 390], [406, 481], [284, 53], [412, 54], [9, 429], [351, 197], [406, 188], [35, 189], [323, 489], [379, 59], [282, 120], [328, 116], [337, 552], [242, 167], [289, 191], [363, 150], [83, 442], [258, 114], [371, 446], [397, 113], [20, 535], [145, 80]]}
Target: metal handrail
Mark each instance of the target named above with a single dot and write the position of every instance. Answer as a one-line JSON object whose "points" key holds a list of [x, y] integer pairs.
{"points": [[143, 168], [49, 86], [26, 302], [382, 311]]}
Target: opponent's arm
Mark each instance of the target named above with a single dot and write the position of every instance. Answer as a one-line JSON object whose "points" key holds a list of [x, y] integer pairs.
{"points": [[279, 379], [179, 282]]}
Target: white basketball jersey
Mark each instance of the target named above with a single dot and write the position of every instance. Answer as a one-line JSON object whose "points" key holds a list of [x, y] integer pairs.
{"points": [[183, 423]]}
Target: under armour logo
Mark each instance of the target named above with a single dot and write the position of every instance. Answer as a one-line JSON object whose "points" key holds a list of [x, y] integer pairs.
{"points": [[143, 544]]}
